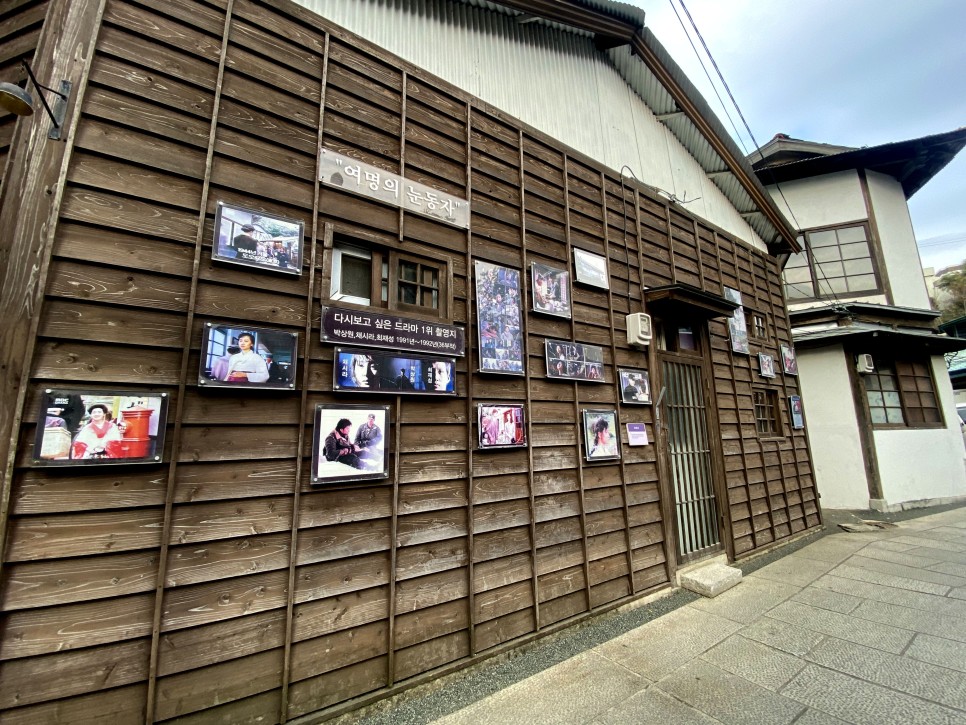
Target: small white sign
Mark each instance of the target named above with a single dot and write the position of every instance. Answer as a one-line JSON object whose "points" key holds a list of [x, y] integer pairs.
{"points": [[636, 434]]}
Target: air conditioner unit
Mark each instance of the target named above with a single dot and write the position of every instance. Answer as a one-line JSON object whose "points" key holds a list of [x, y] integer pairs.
{"points": [[864, 363], [638, 328]]}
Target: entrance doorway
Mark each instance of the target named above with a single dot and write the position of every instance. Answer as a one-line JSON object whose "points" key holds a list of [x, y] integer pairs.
{"points": [[687, 446]]}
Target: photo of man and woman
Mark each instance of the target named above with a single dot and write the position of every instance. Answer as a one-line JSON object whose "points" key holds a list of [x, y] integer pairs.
{"points": [[499, 309], [551, 290], [573, 361], [76, 427], [247, 357], [249, 237], [368, 371], [349, 443], [501, 426], [635, 386]]}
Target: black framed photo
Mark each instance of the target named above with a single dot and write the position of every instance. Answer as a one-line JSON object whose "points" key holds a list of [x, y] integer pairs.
{"points": [[602, 441], [591, 269], [254, 239], [77, 427], [350, 443], [766, 365], [573, 361], [551, 290], [501, 426], [369, 371], [243, 356], [789, 361], [795, 408], [635, 386], [499, 311]]}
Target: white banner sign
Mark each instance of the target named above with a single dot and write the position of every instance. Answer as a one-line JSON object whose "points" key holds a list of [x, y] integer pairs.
{"points": [[360, 178]]}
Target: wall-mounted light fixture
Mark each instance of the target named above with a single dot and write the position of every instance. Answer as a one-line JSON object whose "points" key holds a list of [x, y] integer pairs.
{"points": [[19, 102]]}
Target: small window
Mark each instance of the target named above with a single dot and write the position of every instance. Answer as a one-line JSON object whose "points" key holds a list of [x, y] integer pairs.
{"points": [[757, 325], [388, 279], [902, 393], [766, 412]]}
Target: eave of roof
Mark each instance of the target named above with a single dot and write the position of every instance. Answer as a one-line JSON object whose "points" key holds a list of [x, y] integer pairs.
{"points": [[905, 340], [912, 163], [674, 100], [850, 309]]}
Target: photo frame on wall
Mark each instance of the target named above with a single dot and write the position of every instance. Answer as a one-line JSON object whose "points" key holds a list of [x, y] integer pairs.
{"points": [[789, 361], [551, 290], [78, 427], [591, 269], [371, 371], [766, 365], [737, 325], [795, 409], [573, 361], [350, 443], [602, 440], [499, 312], [501, 425], [252, 238], [635, 386], [243, 356]]}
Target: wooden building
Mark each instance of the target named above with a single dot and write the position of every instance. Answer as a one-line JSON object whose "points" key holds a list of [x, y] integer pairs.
{"points": [[219, 583]]}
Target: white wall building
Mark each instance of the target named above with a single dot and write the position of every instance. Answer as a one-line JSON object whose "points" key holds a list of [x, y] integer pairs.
{"points": [[878, 400]]}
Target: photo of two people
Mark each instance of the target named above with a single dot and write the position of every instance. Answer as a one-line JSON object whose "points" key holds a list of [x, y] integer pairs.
{"points": [[369, 371], [350, 443], [252, 238]]}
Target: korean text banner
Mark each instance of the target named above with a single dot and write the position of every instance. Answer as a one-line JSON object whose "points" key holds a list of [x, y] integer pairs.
{"points": [[374, 329]]}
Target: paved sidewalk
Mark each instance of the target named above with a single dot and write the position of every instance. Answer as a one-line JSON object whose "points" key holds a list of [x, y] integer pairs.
{"points": [[854, 627]]}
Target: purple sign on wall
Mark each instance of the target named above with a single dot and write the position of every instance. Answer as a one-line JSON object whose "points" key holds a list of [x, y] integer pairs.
{"points": [[375, 329]]}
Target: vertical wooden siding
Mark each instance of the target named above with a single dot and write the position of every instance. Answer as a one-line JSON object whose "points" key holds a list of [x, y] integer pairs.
{"points": [[221, 587]]}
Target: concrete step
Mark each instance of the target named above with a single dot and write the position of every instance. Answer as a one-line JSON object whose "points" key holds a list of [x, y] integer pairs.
{"points": [[710, 580]]}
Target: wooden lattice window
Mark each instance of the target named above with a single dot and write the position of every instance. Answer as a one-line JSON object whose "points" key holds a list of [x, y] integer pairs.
{"points": [[902, 393], [387, 279], [766, 412], [757, 324], [836, 262]]}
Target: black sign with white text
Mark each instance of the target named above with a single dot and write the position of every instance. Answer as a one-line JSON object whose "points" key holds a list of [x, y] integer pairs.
{"points": [[375, 329]]}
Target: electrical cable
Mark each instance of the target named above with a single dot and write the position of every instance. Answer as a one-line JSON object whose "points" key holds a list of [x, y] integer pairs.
{"points": [[814, 265]]}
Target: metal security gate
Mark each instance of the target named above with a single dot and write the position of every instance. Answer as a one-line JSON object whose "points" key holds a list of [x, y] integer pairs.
{"points": [[689, 453]]}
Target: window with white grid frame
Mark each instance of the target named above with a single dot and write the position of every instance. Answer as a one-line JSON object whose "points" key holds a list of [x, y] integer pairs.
{"points": [[833, 263]]}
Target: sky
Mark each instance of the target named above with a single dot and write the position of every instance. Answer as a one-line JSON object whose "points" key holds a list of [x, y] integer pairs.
{"points": [[844, 72]]}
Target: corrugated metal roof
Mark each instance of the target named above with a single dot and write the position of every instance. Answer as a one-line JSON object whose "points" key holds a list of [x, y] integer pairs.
{"points": [[571, 61]]}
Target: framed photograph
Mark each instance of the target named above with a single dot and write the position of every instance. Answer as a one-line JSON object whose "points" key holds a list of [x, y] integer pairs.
{"points": [[591, 269], [77, 427], [789, 361], [635, 386], [766, 365], [501, 426], [573, 361], [602, 441], [795, 408], [350, 443], [499, 312], [737, 326], [253, 239], [551, 290], [369, 371], [234, 356]]}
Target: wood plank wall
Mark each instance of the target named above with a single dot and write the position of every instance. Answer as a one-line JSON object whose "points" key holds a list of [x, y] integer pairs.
{"points": [[220, 586]]}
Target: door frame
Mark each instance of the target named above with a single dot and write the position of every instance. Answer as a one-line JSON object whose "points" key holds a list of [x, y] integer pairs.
{"points": [[702, 358]]}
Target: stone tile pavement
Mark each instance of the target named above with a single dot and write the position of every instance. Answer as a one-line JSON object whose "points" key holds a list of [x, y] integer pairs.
{"points": [[852, 628]]}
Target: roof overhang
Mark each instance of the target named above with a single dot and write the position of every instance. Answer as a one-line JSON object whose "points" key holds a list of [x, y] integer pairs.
{"points": [[912, 163], [872, 340], [864, 312], [688, 300]]}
